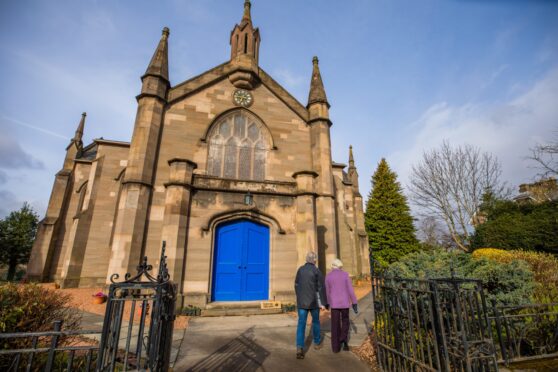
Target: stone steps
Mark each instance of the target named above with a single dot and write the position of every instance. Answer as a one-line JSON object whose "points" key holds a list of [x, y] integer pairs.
{"points": [[239, 312], [237, 309]]}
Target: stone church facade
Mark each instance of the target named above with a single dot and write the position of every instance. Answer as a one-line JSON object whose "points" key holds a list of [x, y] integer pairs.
{"points": [[227, 168]]}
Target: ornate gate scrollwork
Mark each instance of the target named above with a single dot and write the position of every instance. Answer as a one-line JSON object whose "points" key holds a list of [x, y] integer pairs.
{"points": [[139, 318], [431, 325]]}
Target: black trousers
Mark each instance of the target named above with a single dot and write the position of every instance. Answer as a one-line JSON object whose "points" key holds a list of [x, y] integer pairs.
{"points": [[339, 328]]}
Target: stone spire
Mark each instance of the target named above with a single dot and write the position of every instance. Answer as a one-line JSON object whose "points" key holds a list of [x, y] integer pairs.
{"points": [[352, 171], [351, 158], [245, 40], [159, 65], [79, 131], [247, 17], [74, 148], [317, 91]]}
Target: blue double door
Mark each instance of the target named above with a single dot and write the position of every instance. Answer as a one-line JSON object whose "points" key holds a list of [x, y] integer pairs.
{"points": [[241, 262]]}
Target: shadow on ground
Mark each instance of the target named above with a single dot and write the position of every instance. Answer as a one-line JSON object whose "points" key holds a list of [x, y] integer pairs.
{"points": [[240, 354]]}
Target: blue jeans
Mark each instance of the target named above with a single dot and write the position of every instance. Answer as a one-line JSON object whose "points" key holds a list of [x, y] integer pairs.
{"points": [[301, 328]]}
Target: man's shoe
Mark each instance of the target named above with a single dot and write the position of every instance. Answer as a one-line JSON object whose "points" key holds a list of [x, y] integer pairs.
{"points": [[299, 353], [345, 346], [319, 345]]}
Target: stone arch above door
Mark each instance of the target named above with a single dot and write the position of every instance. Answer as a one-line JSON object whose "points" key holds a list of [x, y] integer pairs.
{"points": [[250, 214]]}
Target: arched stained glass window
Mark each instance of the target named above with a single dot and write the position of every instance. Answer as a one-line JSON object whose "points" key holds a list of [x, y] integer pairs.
{"points": [[238, 147]]}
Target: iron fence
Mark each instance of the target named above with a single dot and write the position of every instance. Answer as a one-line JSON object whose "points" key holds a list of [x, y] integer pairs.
{"points": [[526, 332], [447, 325], [431, 325], [56, 349], [136, 335]]}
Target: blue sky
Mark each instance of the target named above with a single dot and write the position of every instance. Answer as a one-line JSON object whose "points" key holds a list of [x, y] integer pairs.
{"points": [[401, 76]]}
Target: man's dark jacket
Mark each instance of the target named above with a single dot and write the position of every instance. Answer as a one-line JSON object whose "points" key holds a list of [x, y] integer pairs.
{"points": [[308, 283]]}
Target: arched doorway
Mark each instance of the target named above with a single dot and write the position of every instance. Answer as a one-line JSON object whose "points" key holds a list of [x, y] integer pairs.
{"points": [[241, 261]]}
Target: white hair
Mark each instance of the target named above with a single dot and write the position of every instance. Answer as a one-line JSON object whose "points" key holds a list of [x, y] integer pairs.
{"points": [[337, 264], [311, 257]]}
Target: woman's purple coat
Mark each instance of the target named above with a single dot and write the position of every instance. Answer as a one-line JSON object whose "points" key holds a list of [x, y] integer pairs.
{"points": [[339, 290]]}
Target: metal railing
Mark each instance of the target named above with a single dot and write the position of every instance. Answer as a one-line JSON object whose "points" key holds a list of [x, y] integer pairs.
{"points": [[525, 333], [136, 335], [431, 325], [50, 350], [447, 325]]}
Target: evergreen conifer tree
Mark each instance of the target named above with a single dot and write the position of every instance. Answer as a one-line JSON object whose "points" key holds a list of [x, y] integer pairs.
{"points": [[391, 233], [17, 234]]}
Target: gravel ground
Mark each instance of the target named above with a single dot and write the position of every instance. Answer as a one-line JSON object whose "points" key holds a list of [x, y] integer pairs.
{"points": [[82, 299]]}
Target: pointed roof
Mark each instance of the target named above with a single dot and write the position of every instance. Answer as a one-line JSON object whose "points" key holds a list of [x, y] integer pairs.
{"points": [[352, 173], [246, 17], [317, 91], [159, 65], [245, 38], [351, 158], [79, 131]]}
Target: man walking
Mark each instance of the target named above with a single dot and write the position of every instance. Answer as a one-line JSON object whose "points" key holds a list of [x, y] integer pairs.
{"points": [[310, 298]]}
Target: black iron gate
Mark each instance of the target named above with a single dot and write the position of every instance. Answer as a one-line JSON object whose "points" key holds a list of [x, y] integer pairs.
{"points": [[432, 325], [136, 335], [137, 330]]}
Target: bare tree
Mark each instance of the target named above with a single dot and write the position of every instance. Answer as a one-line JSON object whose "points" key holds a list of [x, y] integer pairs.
{"points": [[546, 157], [429, 231], [449, 183]]}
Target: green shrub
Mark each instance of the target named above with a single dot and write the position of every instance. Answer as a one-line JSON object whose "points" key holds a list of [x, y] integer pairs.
{"points": [[429, 264], [510, 283], [519, 226], [32, 308], [543, 265]]}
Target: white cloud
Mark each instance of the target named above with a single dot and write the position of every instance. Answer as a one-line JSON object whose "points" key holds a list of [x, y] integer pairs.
{"points": [[494, 76], [113, 91], [8, 203], [12, 156], [294, 83], [288, 78], [507, 130], [37, 128], [98, 21]]}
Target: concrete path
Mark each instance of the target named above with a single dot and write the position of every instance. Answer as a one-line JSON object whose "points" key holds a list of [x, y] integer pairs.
{"points": [[361, 322], [254, 343], [265, 343]]}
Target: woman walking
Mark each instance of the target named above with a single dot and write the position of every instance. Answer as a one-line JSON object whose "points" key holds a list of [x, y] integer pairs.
{"points": [[341, 296]]}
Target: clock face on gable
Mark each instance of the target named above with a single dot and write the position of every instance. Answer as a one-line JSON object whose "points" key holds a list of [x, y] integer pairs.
{"points": [[242, 98]]}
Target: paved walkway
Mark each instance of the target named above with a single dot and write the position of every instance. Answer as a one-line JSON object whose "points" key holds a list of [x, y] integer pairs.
{"points": [[255, 343], [265, 343]]}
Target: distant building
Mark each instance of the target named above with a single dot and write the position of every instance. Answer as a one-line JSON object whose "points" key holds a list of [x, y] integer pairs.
{"points": [[529, 193], [538, 192], [227, 167]]}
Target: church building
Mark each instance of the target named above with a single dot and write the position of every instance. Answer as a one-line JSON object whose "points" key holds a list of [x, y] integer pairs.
{"points": [[228, 168]]}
